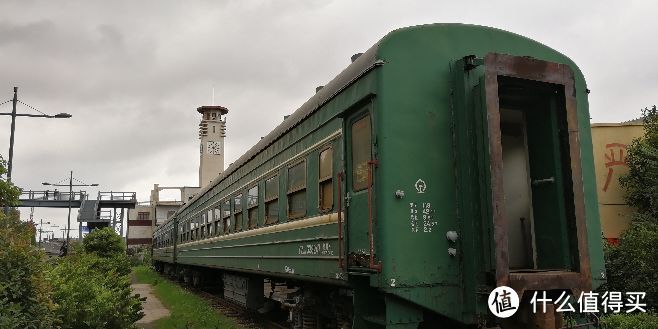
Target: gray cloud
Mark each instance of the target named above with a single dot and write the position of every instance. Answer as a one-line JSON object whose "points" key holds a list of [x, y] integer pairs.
{"points": [[132, 73]]}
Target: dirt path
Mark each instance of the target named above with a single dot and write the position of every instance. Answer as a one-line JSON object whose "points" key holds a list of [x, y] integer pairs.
{"points": [[153, 308]]}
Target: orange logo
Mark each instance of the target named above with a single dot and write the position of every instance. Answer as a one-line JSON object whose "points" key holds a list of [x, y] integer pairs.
{"points": [[614, 156]]}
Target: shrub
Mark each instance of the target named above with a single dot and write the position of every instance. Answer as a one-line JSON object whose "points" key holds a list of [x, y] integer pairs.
{"points": [[633, 264], [94, 292], [104, 242], [630, 321], [25, 295], [139, 256]]}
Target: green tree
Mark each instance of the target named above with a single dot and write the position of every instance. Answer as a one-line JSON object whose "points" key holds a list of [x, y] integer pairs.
{"points": [[632, 265], [25, 294], [641, 183], [104, 242]]}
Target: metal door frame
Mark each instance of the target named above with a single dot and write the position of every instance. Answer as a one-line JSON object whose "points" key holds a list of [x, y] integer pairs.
{"points": [[548, 72]]}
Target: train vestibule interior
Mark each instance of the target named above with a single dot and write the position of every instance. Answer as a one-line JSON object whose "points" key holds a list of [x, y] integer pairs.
{"points": [[537, 182]]}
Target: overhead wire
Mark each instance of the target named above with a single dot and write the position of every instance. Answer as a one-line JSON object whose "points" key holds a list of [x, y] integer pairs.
{"points": [[31, 107]]}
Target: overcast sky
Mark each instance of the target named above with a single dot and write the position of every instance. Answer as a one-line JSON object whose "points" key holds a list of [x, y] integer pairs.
{"points": [[132, 73]]}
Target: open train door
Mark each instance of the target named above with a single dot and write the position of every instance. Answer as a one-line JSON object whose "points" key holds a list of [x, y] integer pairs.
{"points": [[532, 122], [517, 124]]}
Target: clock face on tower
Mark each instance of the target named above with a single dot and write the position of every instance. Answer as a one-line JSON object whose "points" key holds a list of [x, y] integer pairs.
{"points": [[214, 148]]}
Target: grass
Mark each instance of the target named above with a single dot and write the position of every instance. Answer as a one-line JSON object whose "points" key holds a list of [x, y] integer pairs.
{"points": [[187, 309]]}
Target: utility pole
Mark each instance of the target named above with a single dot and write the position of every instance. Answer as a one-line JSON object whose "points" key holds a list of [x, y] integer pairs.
{"points": [[68, 221], [70, 185], [11, 140], [41, 230], [14, 101], [11, 136]]}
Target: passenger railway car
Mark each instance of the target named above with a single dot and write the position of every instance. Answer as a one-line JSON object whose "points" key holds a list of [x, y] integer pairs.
{"points": [[443, 162]]}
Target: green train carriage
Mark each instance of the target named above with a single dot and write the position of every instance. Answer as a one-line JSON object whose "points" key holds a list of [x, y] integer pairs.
{"points": [[446, 160]]}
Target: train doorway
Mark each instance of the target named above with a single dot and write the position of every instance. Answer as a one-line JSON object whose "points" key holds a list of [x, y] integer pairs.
{"points": [[536, 175], [359, 194], [536, 187]]}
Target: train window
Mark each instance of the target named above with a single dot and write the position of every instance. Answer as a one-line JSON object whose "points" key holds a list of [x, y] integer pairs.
{"points": [[361, 152], [252, 206], [272, 200], [204, 220], [326, 188], [226, 215], [237, 212], [193, 229], [209, 223], [182, 231], [217, 219], [196, 228], [297, 190]]}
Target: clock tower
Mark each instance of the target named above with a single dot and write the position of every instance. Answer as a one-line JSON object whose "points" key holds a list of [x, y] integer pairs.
{"points": [[212, 131]]}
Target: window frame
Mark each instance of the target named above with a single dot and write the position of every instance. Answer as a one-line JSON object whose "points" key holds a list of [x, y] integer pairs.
{"points": [[272, 200], [298, 190], [238, 223], [250, 207], [217, 219], [324, 179], [226, 215], [365, 115]]}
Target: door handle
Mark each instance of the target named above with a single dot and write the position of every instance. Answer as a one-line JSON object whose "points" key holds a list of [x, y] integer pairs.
{"points": [[543, 181]]}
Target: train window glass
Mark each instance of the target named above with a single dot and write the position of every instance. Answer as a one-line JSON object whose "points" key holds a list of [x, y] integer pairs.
{"points": [[252, 197], [226, 215], [204, 219], [217, 219], [209, 223], [196, 228], [272, 200], [237, 211], [297, 190], [190, 229], [326, 188], [361, 152], [193, 229], [252, 206]]}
